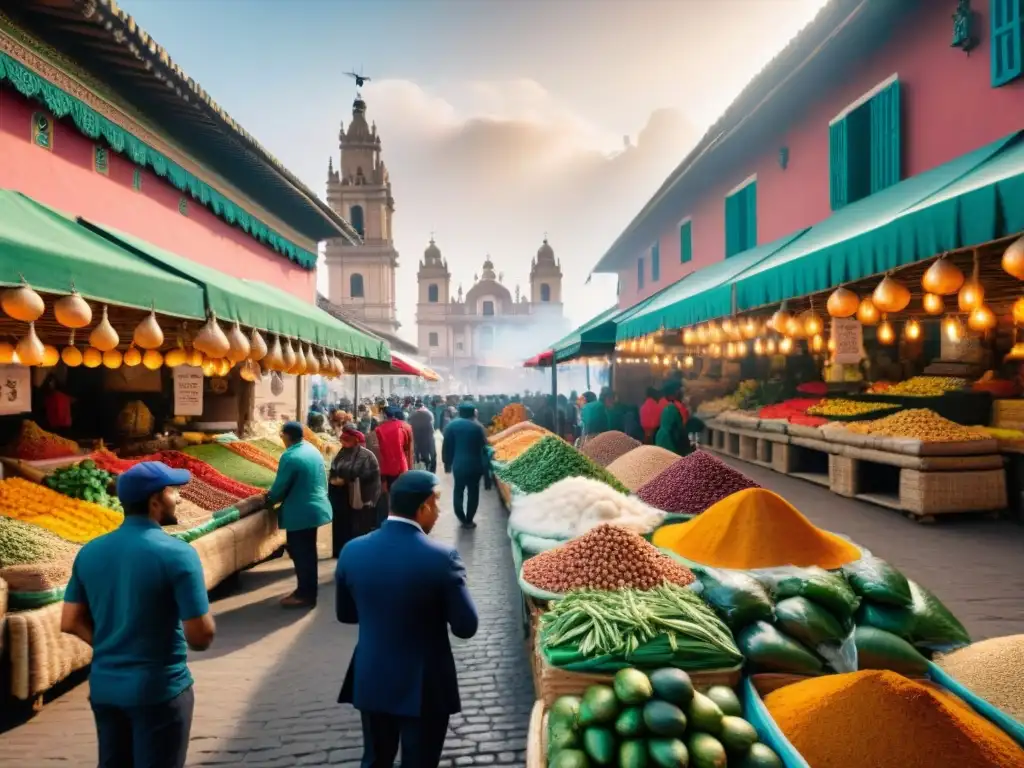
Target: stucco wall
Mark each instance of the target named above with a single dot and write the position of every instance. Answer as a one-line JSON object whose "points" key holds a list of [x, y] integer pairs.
{"points": [[949, 109], [66, 179]]}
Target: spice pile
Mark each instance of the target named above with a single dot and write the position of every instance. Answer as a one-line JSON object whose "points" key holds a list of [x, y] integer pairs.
{"points": [[23, 543], [549, 460], [36, 444], [527, 426], [879, 719], [794, 411], [840, 407], [205, 496], [515, 445], [927, 386], [573, 506], [608, 446], [992, 669], [919, 424], [638, 467], [755, 528], [223, 459], [511, 414], [252, 453], [270, 447], [71, 519], [607, 557], [200, 469], [693, 483]]}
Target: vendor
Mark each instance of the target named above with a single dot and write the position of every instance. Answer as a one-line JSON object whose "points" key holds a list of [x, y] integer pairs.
{"points": [[57, 405], [594, 414], [354, 488], [650, 414], [674, 415]]}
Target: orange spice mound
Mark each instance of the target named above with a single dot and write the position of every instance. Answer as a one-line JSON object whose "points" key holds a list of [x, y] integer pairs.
{"points": [[512, 447], [879, 719], [755, 528], [515, 429]]}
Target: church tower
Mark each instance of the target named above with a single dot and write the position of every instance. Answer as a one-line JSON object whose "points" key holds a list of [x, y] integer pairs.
{"points": [[545, 282], [432, 306], [361, 279]]}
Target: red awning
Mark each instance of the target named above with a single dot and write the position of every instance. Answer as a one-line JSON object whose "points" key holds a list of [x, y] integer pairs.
{"points": [[542, 360], [402, 364]]}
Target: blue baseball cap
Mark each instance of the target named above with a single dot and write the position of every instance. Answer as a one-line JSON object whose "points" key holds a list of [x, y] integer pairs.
{"points": [[410, 490], [146, 478]]}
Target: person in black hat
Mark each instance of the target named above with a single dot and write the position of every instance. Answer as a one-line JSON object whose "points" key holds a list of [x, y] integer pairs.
{"points": [[138, 597], [405, 591]]}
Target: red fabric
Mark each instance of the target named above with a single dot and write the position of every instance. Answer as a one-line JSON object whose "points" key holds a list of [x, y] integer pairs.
{"points": [[680, 406], [819, 388], [58, 410], [395, 440], [650, 414]]}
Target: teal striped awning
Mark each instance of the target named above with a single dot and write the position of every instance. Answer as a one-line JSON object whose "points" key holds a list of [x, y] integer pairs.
{"points": [[594, 337]]}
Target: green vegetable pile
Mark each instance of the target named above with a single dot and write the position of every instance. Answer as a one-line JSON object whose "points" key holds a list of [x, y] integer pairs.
{"points": [[658, 721], [229, 463], [594, 629], [85, 481], [24, 543], [549, 460]]}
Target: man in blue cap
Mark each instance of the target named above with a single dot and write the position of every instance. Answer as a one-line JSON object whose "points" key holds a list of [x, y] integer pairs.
{"points": [[405, 592], [301, 489], [138, 597]]}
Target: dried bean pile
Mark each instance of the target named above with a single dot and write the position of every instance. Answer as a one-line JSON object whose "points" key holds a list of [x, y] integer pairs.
{"points": [[205, 496], [552, 459], [606, 557], [693, 484], [608, 446], [639, 466]]}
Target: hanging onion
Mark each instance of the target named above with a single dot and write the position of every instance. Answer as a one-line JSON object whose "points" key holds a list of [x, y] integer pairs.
{"points": [[867, 312], [73, 311], [223, 367], [257, 346], [812, 322], [103, 336], [289, 357], [92, 357], [689, 337], [842, 303], [1013, 259], [238, 345], [50, 356], [22, 303], [152, 359], [250, 371], [177, 356], [112, 359], [132, 357], [943, 278], [148, 333], [794, 328], [71, 356], [981, 319], [211, 339], [933, 304], [891, 295], [971, 295], [209, 367], [30, 349], [195, 358], [274, 360], [312, 364]]}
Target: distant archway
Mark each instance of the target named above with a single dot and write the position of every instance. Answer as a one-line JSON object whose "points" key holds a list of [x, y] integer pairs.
{"points": [[355, 286], [355, 213]]}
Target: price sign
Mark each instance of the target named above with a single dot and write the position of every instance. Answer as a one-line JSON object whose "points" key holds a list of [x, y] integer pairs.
{"points": [[849, 338], [15, 389], [188, 391]]}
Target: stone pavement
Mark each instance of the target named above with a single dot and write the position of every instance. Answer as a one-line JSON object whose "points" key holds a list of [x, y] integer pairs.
{"points": [[266, 690]]}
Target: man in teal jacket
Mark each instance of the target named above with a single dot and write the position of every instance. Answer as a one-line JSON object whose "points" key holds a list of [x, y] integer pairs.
{"points": [[301, 489]]}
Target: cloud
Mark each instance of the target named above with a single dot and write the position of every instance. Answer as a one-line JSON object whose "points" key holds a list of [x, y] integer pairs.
{"points": [[491, 166]]}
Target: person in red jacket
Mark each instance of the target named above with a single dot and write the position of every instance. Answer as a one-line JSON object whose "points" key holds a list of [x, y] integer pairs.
{"points": [[650, 415], [394, 440]]}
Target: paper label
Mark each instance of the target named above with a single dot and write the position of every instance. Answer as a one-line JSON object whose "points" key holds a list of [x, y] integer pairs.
{"points": [[188, 391]]}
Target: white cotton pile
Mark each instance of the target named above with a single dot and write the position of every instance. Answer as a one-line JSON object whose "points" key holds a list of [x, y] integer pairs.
{"points": [[573, 506]]}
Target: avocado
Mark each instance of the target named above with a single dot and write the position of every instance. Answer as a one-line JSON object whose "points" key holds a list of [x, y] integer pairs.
{"points": [[706, 751], [668, 753], [599, 745], [737, 735], [664, 719], [570, 758], [726, 699], [632, 686], [601, 705], [630, 722], [565, 708], [633, 754], [759, 756], [561, 736], [672, 685], [704, 715]]}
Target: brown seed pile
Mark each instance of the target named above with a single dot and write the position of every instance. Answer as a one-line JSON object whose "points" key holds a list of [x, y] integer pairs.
{"points": [[606, 557], [608, 446], [205, 496], [693, 484], [636, 468], [189, 516], [993, 669]]}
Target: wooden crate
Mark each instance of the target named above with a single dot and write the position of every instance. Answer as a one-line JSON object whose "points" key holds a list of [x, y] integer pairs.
{"points": [[782, 458], [842, 475], [764, 452], [748, 448], [1008, 413], [924, 494]]}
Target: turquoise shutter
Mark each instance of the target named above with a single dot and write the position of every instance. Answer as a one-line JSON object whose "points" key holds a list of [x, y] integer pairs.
{"points": [[685, 242], [731, 228], [655, 262], [1007, 38], [838, 161], [639, 273], [749, 216], [885, 137]]}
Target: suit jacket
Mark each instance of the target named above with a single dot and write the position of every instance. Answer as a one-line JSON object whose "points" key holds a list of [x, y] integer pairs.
{"points": [[301, 488], [464, 450], [404, 590]]}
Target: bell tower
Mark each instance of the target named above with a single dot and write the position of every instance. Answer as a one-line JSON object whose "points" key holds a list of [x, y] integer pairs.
{"points": [[434, 304], [362, 278], [545, 282]]}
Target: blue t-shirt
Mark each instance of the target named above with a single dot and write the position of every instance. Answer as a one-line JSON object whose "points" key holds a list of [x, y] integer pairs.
{"points": [[139, 584]]}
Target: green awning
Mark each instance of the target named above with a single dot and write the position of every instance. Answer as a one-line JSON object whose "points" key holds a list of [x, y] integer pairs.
{"points": [[53, 253], [594, 337], [872, 236], [253, 303], [701, 295]]}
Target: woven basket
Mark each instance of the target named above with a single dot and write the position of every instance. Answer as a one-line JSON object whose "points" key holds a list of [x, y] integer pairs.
{"points": [[3, 616], [933, 493], [551, 682], [782, 458], [257, 537], [217, 554], [536, 737], [40, 654], [1008, 414], [842, 475]]}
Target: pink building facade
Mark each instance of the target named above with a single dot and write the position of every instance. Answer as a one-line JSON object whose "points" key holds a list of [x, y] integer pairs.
{"points": [[948, 108]]}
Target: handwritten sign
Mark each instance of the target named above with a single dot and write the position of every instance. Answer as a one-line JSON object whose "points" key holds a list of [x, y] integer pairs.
{"points": [[15, 389], [849, 338], [188, 391]]}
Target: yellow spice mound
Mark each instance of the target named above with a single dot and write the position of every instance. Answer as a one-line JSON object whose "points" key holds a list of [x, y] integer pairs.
{"points": [[755, 528]]}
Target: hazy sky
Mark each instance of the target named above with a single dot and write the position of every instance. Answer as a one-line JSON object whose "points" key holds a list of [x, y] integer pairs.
{"points": [[500, 119]]}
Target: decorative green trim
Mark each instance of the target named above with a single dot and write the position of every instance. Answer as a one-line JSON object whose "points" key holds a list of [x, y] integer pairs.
{"points": [[95, 126]]}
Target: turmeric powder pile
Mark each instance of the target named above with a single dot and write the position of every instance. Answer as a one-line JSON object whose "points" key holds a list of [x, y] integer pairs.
{"points": [[512, 447], [755, 528], [880, 719]]}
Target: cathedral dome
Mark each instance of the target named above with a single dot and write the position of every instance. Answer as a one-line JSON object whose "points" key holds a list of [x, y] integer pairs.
{"points": [[545, 252], [433, 253]]}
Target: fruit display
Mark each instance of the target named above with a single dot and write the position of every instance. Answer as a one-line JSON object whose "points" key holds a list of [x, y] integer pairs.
{"points": [[738, 400], [549, 460], [840, 407], [85, 481], [36, 444], [71, 519], [919, 424], [656, 720], [927, 386]]}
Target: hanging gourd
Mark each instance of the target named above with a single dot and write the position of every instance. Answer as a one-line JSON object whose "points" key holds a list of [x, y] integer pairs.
{"points": [[689, 337], [812, 322], [1013, 258], [211, 339], [715, 332], [71, 355], [867, 312], [112, 359], [780, 320], [209, 367], [250, 372], [758, 347], [886, 335], [132, 357], [288, 359], [73, 311], [103, 336], [912, 330], [750, 328], [274, 360], [943, 277], [340, 366], [50, 356], [238, 345], [972, 294], [148, 333], [177, 356], [152, 359], [257, 346], [891, 295], [730, 351], [195, 358], [982, 319], [325, 362], [6, 353], [703, 335], [842, 303], [299, 367], [933, 304], [30, 349], [312, 363], [22, 303], [1018, 311], [223, 367], [770, 347], [92, 357]]}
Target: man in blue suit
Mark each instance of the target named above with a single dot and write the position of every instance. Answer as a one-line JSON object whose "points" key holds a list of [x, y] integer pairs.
{"points": [[464, 455], [404, 591]]}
